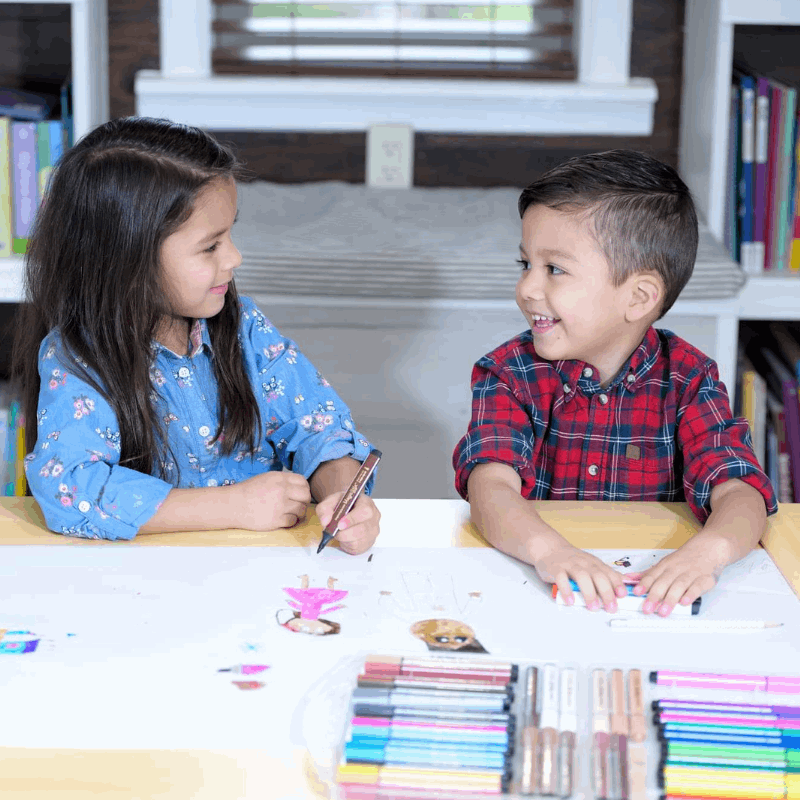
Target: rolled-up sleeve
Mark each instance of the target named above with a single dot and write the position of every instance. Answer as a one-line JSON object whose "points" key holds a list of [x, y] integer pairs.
{"points": [[306, 421], [716, 445], [500, 429], [73, 471]]}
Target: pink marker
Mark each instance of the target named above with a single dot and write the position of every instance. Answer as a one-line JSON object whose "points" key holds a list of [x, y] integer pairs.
{"points": [[707, 680]]}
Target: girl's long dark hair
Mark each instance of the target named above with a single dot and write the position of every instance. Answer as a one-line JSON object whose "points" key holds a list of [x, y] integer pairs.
{"points": [[93, 272]]}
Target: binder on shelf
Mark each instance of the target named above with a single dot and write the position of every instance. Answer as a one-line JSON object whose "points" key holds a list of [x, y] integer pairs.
{"points": [[23, 181], [6, 223]]}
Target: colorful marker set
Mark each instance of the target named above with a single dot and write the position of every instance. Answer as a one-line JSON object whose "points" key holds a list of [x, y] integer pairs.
{"points": [[743, 750], [619, 760], [431, 727]]}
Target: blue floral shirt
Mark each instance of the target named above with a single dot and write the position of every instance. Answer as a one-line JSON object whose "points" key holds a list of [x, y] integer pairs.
{"points": [[74, 471]]}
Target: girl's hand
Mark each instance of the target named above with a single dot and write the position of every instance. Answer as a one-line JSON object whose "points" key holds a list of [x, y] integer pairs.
{"points": [[681, 577], [271, 500], [359, 528], [600, 585]]}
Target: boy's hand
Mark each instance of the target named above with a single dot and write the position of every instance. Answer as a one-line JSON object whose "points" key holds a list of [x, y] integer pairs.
{"points": [[359, 528], [271, 500], [681, 577], [600, 585]]}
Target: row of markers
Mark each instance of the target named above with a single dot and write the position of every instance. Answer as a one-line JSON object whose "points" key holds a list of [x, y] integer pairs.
{"points": [[742, 751], [428, 727]]}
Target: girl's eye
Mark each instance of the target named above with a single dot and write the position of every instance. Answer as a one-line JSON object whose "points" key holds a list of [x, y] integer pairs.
{"points": [[524, 264], [212, 248], [554, 270]]}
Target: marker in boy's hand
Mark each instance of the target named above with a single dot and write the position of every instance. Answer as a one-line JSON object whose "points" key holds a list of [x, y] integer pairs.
{"points": [[599, 584]]}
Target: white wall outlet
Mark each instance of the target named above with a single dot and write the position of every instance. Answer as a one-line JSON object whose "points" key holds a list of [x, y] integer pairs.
{"points": [[390, 156]]}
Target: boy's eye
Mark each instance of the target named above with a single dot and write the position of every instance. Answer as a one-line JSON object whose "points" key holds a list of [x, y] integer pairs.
{"points": [[212, 248], [554, 270], [524, 264]]}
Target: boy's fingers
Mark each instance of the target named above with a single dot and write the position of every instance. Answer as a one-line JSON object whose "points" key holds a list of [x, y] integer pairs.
{"points": [[587, 589], [564, 588], [604, 588]]}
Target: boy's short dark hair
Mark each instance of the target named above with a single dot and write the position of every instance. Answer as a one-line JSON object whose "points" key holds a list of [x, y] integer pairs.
{"points": [[643, 213]]}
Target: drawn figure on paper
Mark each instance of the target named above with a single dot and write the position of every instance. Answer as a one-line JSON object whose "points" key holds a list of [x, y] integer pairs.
{"points": [[447, 634], [17, 642], [623, 562], [308, 603]]}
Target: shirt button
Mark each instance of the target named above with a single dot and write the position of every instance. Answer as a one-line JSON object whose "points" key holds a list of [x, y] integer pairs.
{"points": [[84, 506], [631, 378], [567, 388], [183, 372], [587, 372], [593, 470], [204, 430], [603, 398]]}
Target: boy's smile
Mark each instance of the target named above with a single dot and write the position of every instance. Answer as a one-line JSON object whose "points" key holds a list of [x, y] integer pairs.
{"points": [[566, 294]]}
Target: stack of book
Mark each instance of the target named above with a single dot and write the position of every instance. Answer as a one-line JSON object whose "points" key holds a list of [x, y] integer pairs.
{"points": [[12, 444], [768, 395], [30, 145], [762, 228]]}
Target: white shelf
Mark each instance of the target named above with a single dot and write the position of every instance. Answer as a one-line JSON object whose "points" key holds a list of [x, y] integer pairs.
{"points": [[760, 12]]}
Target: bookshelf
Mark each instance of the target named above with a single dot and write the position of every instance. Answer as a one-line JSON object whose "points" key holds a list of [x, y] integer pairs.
{"points": [[88, 64], [710, 27]]}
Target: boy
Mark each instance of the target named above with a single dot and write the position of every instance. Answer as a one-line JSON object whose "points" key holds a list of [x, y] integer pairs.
{"points": [[593, 403]]}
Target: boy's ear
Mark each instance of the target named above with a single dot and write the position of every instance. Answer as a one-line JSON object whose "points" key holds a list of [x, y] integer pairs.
{"points": [[647, 292]]}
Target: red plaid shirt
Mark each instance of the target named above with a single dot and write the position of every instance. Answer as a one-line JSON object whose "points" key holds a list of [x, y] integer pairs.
{"points": [[662, 430]]}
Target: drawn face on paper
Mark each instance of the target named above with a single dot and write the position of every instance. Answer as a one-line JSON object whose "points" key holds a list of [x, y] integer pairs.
{"points": [[446, 634], [315, 627]]}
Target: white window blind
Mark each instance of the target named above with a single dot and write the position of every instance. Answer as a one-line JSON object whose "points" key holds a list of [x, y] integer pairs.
{"points": [[407, 37]]}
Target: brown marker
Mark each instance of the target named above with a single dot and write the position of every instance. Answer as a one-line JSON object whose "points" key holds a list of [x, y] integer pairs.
{"points": [[637, 753], [619, 737], [350, 496]]}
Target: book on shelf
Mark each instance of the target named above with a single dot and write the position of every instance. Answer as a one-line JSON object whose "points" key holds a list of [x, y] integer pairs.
{"points": [[24, 105], [731, 231], [764, 164], [760, 156], [747, 88], [768, 349], [753, 406], [779, 468], [28, 153]]}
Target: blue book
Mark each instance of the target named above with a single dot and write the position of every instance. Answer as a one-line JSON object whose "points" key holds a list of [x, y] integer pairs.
{"points": [[747, 86]]}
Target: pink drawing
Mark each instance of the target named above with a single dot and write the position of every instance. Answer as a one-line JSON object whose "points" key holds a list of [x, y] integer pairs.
{"points": [[309, 603]]}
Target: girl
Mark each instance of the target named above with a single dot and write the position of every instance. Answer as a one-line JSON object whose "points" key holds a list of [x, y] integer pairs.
{"points": [[163, 401]]}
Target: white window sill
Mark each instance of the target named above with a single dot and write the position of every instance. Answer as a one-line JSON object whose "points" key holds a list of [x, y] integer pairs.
{"points": [[288, 103]]}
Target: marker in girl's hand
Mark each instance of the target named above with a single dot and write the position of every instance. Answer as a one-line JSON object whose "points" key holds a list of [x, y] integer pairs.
{"points": [[631, 603], [350, 496]]}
